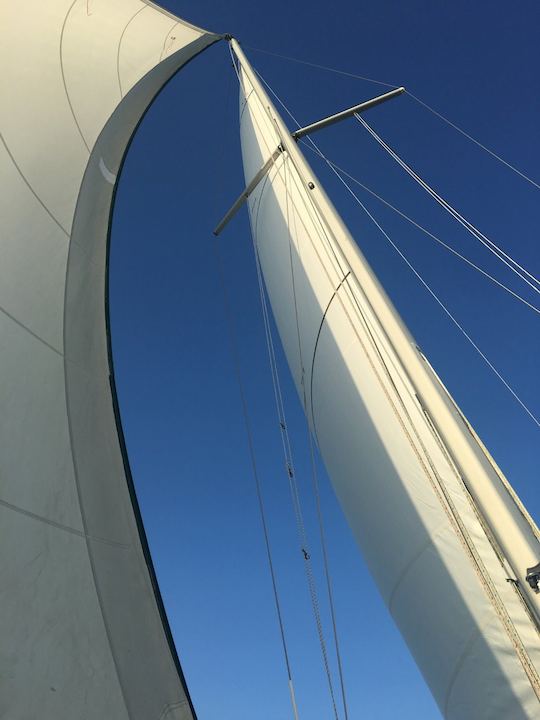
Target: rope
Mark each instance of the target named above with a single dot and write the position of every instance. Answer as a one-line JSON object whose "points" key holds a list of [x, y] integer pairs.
{"points": [[415, 98], [251, 448], [291, 476], [485, 241], [314, 478], [287, 450], [315, 484], [304, 403], [254, 469], [469, 262]]}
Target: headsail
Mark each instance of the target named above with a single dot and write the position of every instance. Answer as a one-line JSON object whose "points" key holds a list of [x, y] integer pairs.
{"points": [[83, 630], [437, 524]]}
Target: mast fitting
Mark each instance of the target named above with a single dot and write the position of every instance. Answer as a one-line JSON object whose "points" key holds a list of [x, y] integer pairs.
{"points": [[249, 189], [331, 119]]}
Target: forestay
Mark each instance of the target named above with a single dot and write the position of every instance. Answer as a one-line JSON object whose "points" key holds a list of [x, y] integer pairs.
{"points": [[82, 627], [418, 498]]}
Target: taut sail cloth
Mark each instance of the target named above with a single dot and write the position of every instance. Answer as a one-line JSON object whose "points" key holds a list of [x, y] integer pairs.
{"points": [[83, 631], [439, 526]]}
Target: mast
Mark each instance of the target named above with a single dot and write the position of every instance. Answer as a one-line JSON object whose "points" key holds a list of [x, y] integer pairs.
{"points": [[84, 632], [445, 537]]}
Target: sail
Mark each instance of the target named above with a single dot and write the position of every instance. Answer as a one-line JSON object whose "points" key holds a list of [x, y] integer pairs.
{"points": [[418, 489], [84, 633]]}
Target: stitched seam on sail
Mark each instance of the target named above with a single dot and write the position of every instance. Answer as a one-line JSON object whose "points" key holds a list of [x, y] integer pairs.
{"points": [[34, 193], [323, 319], [457, 669], [246, 98], [171, 706], [405, 571], [61, 526], [30, 332], [167, 37], [64, 76], [120, 47], [480, 519], [508, 487]]}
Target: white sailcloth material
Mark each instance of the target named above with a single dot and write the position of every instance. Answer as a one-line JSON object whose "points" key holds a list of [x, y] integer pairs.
{"points": [[430, 554], [82, 628]]}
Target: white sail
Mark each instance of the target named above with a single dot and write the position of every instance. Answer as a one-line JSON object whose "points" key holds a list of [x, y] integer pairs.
{"points": [[438, 525], [82, 627]]}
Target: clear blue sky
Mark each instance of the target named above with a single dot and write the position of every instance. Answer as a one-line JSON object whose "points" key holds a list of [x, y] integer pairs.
{"points": [[477, 63]]}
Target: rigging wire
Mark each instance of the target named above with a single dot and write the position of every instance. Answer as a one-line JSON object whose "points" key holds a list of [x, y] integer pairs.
{"points": [[413, 269], [291, 475], [456, 521], [326, 565], [251, 448], [255, 472], [440, 302], [316, 151], [413, 97], [485, 241], [295, 496], [474, 140], [489, 244], [322, 67], [304, 398], [314, 478]]}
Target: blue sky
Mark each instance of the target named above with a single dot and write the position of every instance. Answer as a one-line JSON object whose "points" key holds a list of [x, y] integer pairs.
{"points": [[477, 64]]}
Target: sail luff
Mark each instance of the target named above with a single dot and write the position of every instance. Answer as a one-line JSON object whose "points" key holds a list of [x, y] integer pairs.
{"points": [[400, 456]]}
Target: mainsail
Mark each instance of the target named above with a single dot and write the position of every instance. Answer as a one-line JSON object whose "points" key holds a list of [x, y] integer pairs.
{"points": [[83, 630], [446, 539]]}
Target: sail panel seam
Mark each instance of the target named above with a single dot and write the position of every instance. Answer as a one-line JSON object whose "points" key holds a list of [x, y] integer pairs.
{"points": [[475, 634], [61, 526], [29, 186], [64, 75], [120, 47], [168, 36], [323, 320], [30, 332]]}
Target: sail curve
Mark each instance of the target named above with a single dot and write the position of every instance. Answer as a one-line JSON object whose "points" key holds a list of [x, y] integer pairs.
{"points": [[84, 632]]}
